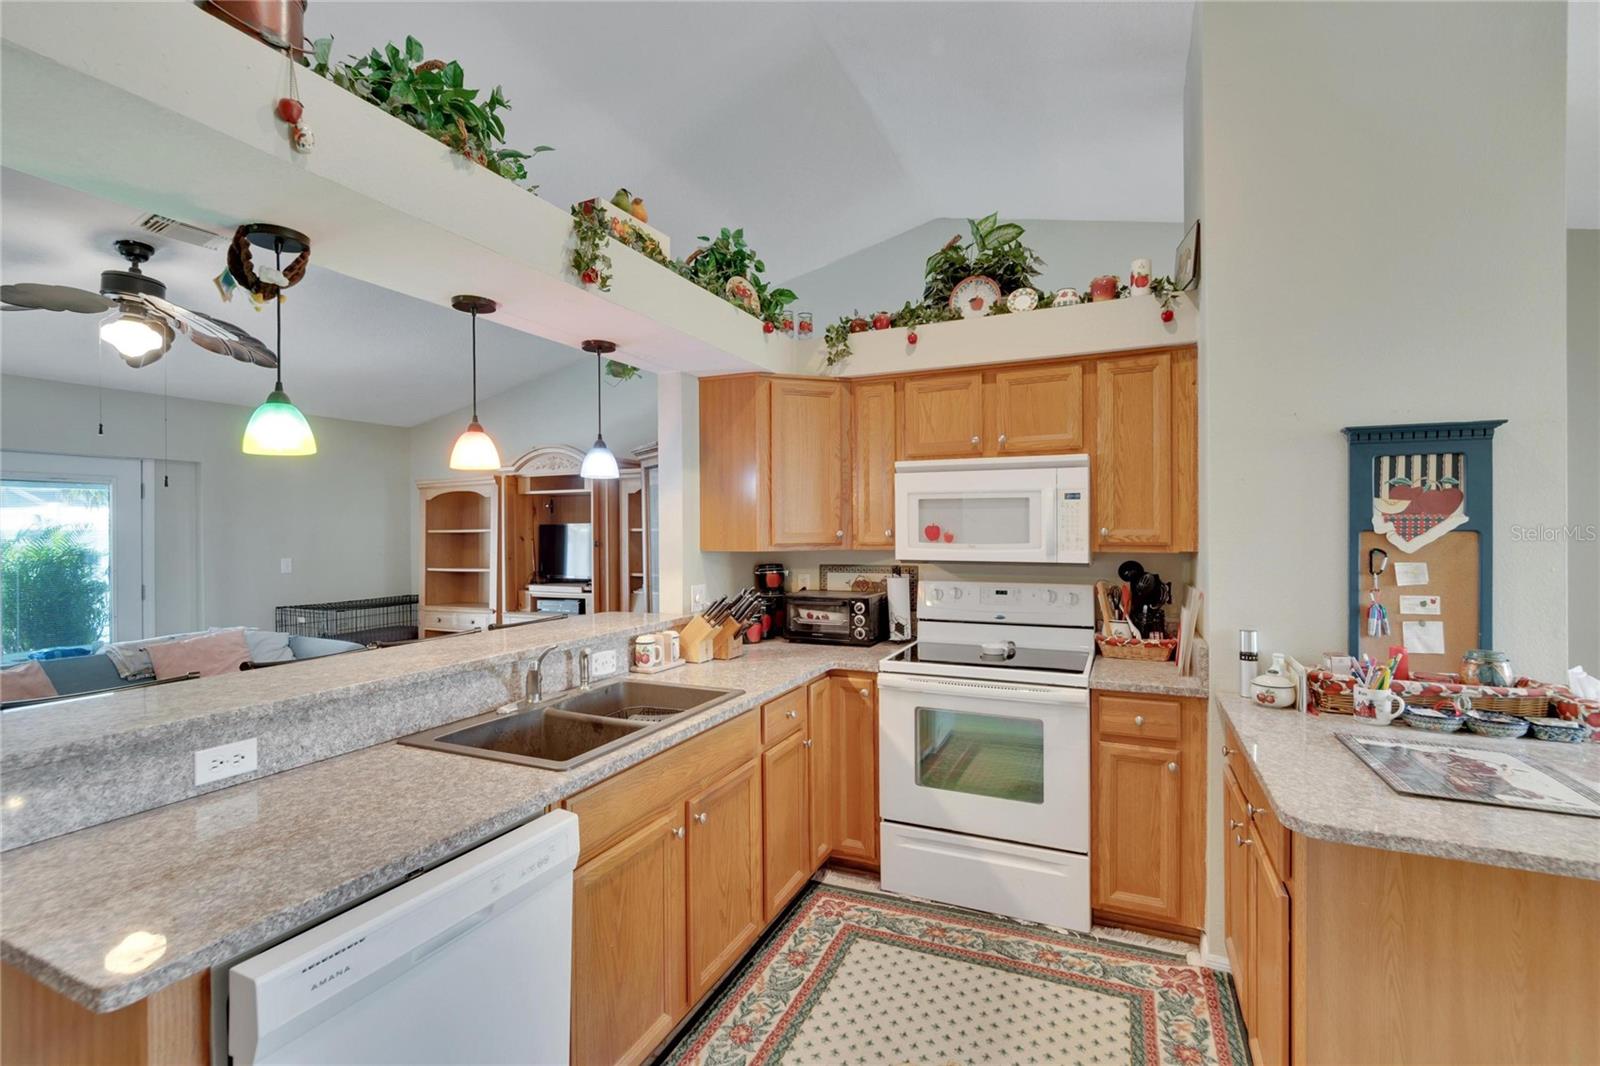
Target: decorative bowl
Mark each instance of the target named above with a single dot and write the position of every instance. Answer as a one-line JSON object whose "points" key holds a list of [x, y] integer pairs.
{"points": [[1560, 729], [1491, 724], [1432, 721]]}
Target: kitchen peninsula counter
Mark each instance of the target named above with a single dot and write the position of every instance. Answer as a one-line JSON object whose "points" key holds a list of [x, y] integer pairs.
{"points": [[213, 877]]}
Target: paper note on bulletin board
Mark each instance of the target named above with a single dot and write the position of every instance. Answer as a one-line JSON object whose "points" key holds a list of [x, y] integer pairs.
{"points": [[1452, 563]]}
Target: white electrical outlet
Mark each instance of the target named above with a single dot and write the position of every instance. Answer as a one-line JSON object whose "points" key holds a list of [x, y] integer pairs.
{"points": [[697, 597], [805, 579], [602, 663], [225, 760], [285, 566]]}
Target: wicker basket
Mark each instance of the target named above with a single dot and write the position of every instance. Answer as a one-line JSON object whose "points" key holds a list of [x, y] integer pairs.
{"points": [[1149, 651], [1331, 700]]}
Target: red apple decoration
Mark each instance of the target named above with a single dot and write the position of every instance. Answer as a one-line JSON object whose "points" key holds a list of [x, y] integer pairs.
{"points": [[768, 327], [1168, 315], [949, 538], [880, 320], [290, 110], [911, 338], [930, 532], [591, 276]]}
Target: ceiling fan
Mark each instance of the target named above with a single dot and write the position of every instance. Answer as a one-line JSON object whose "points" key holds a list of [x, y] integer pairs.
{"points": [[140, 322]]}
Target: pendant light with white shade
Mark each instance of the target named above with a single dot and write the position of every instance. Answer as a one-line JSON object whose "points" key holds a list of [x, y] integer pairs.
{"points": [[277, 427], [599, 464], [474, 449]]}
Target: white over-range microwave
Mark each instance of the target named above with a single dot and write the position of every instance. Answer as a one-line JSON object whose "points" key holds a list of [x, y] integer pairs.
{"points": [[1010, 510]]}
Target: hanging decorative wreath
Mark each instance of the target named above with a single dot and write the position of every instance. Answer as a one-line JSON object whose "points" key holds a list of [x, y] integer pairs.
{"points": [[244, 271]]}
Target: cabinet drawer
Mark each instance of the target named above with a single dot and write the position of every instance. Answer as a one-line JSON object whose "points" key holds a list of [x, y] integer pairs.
{"points": [[456, 621], [1145, 718], [783, 716], [617, 804]]}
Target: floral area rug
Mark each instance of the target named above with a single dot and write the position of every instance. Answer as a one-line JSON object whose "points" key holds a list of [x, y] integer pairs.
{"points": [[858, 977]]}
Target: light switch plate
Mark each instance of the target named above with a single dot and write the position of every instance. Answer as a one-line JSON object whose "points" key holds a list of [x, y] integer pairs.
{"points": [[697, 597], [225, 760], [805, 579], [285, 566]]}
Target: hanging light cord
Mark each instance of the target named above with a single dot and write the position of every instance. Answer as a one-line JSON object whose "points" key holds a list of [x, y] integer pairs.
{"points": [[599, 420], [277, 306], [474, 366]]}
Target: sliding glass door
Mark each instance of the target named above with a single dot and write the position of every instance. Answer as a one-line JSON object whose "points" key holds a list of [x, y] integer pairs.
{"points": [[71, 552]]}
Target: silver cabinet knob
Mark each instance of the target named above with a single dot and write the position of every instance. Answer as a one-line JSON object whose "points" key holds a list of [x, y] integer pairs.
{"points": [[1172, 767], [865, 694], [791, 714], [701, 817], [678, 832], [1138, 719], [888, 532], [1235, 825], [1104, 532], [1243, 842], [974, 440], [1002, 439], [1251, 809], [807, 743], [838, 534], [1226, 751]]}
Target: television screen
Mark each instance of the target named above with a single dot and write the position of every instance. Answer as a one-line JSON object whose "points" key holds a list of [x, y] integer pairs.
{"points": [[566, 552]]}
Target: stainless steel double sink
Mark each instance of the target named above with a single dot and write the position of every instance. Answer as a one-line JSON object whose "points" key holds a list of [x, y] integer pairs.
{"points": [[571, 728]]}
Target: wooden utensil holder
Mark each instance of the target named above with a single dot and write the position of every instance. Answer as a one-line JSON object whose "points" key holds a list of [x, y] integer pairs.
{"points": [[694, 640], [727, 642]]}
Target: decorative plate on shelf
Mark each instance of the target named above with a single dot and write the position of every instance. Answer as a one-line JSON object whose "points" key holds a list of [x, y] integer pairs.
{"points": [[741, 291], [974, 296], [1023, 299]]}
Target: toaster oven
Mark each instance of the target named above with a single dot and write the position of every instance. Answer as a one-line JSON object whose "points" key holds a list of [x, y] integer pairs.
{"points": [[836, 617]]}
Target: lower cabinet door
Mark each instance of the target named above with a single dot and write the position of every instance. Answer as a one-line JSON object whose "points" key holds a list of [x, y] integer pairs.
{"points": [[820, 770], [1236, 889], [788, 845], [724, 882], [1269, 961], [628, 945], [855, 747], [1138, 838]]}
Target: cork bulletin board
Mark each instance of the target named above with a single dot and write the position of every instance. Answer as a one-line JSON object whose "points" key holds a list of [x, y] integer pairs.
{"points": [[1453, 563]]}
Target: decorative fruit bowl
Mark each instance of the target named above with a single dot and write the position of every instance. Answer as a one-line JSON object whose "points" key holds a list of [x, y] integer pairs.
{"points": [[1149, 649]]}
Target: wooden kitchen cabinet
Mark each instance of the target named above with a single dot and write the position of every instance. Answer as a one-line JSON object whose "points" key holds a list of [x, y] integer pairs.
{"points": [[1236, 891], [1269, 959], [942, 416], [1132, 475], [872, 456], [1038, 410], [810, 424], [821, 772], [1147, 809], [628, 963], [854, 707], [724, 875], [786, 836]]}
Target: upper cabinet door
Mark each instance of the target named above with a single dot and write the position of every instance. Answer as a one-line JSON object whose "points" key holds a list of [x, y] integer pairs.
{"points": [[1132, 476], [872, 459], [943, 416], [1038, 411], [810, 422]]}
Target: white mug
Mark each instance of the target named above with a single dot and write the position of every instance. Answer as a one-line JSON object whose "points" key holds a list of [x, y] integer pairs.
{"points": [[1381, 705], [647, 652]]}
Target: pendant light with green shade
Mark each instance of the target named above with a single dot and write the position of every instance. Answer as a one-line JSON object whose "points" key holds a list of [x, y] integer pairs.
{"points": [[277, 427]]}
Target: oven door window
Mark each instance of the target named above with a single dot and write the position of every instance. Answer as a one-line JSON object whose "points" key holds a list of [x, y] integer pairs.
{"points": [[989, 520], [981, 754]]}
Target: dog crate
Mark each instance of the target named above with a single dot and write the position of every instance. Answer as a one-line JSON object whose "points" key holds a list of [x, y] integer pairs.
{"points": [[379, 618]]}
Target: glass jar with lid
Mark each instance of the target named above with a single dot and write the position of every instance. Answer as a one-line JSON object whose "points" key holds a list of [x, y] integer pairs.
{"points": [[1484, 666]]}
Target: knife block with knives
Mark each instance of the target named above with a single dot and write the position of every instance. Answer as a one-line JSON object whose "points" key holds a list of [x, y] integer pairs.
{"points": [[718, 631]]}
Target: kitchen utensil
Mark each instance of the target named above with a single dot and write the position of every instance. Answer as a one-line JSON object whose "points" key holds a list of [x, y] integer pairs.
{"points": [[1249, 659], [1380, 705]]}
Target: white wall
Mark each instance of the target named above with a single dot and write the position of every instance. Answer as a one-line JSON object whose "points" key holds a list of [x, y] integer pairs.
{"points": [[886, 275], [340, 515], [1583, 446], [1383, 241]]}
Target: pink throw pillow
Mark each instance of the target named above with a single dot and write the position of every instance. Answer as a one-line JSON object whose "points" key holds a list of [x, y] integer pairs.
{"points": [[26, 681], [208, 656]]}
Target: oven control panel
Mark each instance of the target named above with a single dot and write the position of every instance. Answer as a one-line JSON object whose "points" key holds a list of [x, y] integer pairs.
{"points": [[1018, 602]]}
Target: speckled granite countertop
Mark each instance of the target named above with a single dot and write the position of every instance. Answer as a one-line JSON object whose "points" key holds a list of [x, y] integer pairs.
{"points": [[1318, 787], [224, 873], [1129, 675]]}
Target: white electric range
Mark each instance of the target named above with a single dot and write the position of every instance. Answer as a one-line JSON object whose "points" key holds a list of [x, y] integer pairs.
{"points": [[983, 753]]}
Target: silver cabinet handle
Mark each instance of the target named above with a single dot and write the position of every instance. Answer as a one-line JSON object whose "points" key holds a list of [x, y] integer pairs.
{"points": [[791, 714], [807, 743], [838, 534], [888, 532], [1251, 809], [1104, 532], [1235, 825], [1138, 719], [701, 817], [1226, 751], [1002, 439], [974, 440], [678, 832], [1172, 767], [1243, 842], [865, 694]]}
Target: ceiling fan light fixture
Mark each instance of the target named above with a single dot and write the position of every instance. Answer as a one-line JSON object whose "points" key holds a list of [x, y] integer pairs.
{"points": [[474, 450], [278, 428], [139, 338]]}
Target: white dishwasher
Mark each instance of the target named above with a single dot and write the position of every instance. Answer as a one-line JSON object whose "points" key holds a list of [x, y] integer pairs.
{"points": [[469, 962]]}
